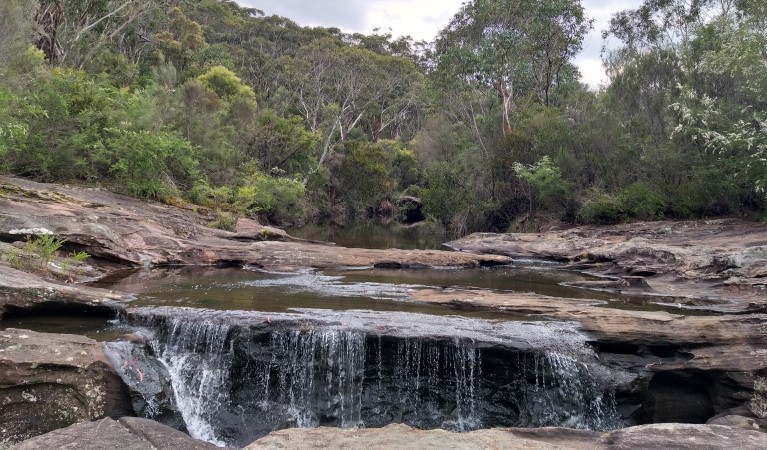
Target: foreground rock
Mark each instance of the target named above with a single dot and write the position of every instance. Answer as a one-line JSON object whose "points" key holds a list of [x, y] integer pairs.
{"points": [[53, 381], [718, 264], [648, 437], [128, 433], [134, 233]]}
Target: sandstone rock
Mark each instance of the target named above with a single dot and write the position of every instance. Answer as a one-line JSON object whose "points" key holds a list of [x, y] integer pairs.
{"points": [[682, 436], [22, 291], [746, 423], [50, 381], [403, 437], [723, 261], [648, 437], [129, 433], [135, 233]]}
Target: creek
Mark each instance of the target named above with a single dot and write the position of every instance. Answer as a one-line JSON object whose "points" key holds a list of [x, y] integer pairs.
{"points": [[248, 352], [231, 354]]}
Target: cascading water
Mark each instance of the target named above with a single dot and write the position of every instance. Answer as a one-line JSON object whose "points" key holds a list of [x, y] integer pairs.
{"points": [[235, 381]]}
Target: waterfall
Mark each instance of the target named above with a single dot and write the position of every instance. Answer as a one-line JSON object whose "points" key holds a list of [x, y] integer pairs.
{"points": [[198, 357], [235, 383]]}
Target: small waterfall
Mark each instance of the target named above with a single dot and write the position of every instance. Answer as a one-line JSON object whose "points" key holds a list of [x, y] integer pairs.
{"points": [[313, 376], [235, 383], [198, 357]]}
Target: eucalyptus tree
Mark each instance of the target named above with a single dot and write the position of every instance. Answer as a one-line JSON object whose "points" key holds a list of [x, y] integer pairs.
{"points": [[514, 48], [338, 88], [73, 29]]}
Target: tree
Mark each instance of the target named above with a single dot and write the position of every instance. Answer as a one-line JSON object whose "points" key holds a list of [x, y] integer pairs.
{"points": [[513, 47], [338, 87], [16, 29]]}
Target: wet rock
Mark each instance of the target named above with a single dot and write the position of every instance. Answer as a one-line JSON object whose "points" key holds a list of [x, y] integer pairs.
{"points": [[50, 381], [129, 433], [148, 381], [244, 374], [727, 354]]}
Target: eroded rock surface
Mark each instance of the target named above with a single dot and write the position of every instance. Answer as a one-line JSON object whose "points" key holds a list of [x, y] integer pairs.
{"points": [[116, 228], [24, 291], [50, 381], [127, 433], [721, 264]]}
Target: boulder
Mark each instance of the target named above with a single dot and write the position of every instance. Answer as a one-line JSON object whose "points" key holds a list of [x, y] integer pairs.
{"points": [[50, 381], [128, 433]]}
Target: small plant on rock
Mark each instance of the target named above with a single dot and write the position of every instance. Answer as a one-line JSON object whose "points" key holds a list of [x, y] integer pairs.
{"points": [[79, 256], [225, 220], [43, 245]]}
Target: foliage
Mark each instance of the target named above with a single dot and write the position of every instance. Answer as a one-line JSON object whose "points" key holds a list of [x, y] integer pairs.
{"points": [[225, 220], [550, 191], [489, 124], [44, 246], [281, 200]]}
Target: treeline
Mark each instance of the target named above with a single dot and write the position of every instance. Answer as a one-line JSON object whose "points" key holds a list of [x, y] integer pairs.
{"points": [[210, 102]]}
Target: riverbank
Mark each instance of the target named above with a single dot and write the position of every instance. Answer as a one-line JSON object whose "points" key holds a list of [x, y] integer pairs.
{"points": [[718, 269]]}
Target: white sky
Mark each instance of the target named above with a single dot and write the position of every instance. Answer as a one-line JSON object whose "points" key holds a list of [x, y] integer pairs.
{"points": [[422, 19]]}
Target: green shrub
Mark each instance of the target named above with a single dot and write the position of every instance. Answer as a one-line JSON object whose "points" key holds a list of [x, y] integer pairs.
{"points": [[225, 220], [203, 194], [151, 165], [601, 208], [44, 246], [639, 201], [280, 200], [549, 190]]}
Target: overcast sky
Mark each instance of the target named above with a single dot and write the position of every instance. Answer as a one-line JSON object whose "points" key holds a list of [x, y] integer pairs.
{"points": [[422, 19]]}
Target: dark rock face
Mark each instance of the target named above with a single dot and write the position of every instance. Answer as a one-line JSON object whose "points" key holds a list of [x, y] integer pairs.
{"points": [[148, 381], [241, 376], [53, 381], [129, 433]]}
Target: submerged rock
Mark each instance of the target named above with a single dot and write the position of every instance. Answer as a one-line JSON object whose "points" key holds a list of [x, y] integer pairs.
{"points": [[50, 381]]}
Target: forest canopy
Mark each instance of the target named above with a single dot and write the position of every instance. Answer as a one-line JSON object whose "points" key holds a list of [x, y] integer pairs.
{"points": [[490, 125]]}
